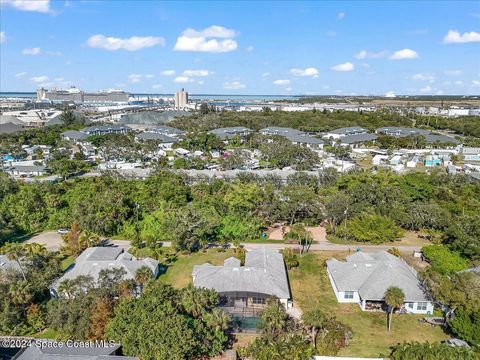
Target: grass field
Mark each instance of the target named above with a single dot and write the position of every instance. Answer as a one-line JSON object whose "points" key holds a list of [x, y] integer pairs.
{"points": [[410, 238], [311, 289], [179, 274]]}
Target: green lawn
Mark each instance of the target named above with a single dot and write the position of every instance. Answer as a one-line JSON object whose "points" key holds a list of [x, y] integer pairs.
{"points": [[179, 274], [311, 289], [46, 334]]}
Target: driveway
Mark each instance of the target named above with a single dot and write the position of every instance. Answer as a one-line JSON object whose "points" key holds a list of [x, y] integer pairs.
{"points": [[51, 240]]}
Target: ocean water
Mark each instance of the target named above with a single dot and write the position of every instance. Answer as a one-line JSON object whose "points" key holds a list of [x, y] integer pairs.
{"points": [[224, 99]]}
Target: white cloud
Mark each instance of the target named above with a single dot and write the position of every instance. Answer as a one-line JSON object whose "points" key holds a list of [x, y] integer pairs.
{"points": [[135, 78], [348, 66], [282, 82], [206, 40], [341, 15], [213, 31], [157, 86], [453, 72], [3, 37], [265, 74], [424, 77], [476, 83], [149, 76], [453, 36], [288, 89], [390, 94], [310, 71], [31, 51], [439, 92], [39, 79], [196, 73], [168, 73], [59, 79], [182, 79], [20, 74], [133, 43], [42, 6], [426, 89], [364, 54], [234, 85], [459, 82], [404, 54], [249, 49]]}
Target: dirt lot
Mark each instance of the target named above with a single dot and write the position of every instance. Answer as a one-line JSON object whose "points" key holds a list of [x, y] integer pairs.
{"points": [[51, 240], [318, 233]]}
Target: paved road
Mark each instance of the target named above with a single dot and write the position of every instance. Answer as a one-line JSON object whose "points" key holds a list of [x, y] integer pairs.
{"points": [[324, 246], [53, 242]]}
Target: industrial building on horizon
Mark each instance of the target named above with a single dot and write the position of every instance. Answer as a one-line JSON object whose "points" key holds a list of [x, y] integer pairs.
{"points": [[76, 95], [181, 99]]}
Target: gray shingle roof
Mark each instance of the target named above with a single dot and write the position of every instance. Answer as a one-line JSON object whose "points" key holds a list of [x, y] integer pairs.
{"points": [[7, 264], [154, 136], [352, 139], [264, 272], [95, 259], [74, 134], [106, 128], [402, 131], [9, 128], [28, 168], [11, 119], [431, 138], [167, 130], [230, 132], [71, 353], [372, 274], [348, 130], [283, 131], [303, 138]]}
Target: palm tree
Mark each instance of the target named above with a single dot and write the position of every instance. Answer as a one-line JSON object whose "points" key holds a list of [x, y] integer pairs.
{"points": [[15, 252], [67, 287], [33, 249], [316, 320], [142, 275], [20, 292], [394, 298], [218, 319]]}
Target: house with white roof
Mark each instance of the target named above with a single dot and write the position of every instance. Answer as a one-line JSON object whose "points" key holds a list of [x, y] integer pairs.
{"points": [[364, 278], [244, 290]]}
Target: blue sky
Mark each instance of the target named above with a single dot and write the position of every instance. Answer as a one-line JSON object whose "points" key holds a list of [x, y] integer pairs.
{"points": [[242, 47]]}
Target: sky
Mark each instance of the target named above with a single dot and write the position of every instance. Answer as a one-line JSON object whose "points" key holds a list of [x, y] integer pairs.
{"points": [[241, 47]]}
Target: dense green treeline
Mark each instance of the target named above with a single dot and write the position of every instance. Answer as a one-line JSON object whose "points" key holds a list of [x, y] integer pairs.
{"points": [[361, 206], [304, 120]]}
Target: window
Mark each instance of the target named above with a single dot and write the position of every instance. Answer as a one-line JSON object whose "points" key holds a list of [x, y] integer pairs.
{"points": [[422, 306], [258, 301], [348, 295], [410, 305]]}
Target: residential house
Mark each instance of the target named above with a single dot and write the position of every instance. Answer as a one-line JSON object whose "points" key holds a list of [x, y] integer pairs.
{"points": [[357, 140], [364, 278], [27, 170], [401, 131], [168, 131], [229, 133], [164, 141], [342, 132], [50, 350], [7, 264], [106, 129], [470, 153], [95, 259], [74, 135], [305, 140], [280, 131], [244, 290]]}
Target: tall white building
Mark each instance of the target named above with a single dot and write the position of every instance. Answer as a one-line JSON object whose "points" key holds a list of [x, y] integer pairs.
{"points": [[181, 99]]}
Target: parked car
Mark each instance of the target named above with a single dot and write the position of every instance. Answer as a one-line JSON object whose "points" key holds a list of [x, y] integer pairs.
{"points": [[63, 231], [457, 342]]}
